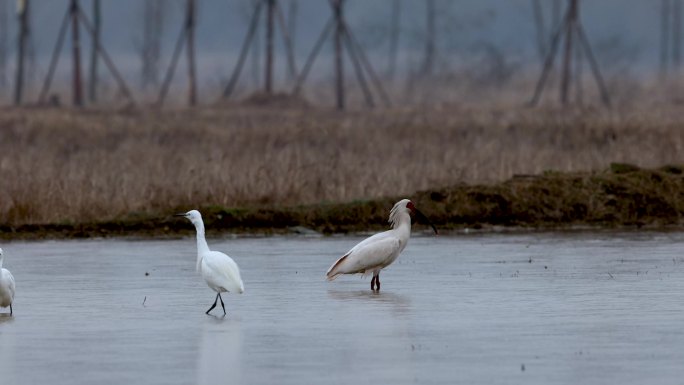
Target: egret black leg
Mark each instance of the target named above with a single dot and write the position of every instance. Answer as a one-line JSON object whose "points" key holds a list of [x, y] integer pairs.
{"points": [[222, 305], [373, 283], [10, 309], [214, 305]]}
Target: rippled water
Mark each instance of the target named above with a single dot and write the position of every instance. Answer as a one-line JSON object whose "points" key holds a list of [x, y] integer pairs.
{"points": [[479, 309]]}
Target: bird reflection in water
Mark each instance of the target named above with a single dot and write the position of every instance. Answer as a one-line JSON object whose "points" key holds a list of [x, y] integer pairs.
{"points": [[220, 351], [395, 302]]}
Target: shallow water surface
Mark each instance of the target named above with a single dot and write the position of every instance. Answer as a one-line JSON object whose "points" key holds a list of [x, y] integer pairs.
{"points": [[479, 309]]}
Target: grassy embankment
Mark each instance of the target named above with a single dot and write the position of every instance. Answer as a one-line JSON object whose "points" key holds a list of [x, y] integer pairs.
{"points": [[623, 196], [93, 173]]}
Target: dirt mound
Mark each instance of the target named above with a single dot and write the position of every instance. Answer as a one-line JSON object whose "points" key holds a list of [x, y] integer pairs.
{"points": [[623, 195]]}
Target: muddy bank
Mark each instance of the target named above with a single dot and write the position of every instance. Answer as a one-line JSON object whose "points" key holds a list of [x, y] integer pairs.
{"points": [[622, 196]]}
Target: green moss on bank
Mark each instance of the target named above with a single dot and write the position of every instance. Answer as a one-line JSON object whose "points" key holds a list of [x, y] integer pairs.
{"points": [[622, 196]]}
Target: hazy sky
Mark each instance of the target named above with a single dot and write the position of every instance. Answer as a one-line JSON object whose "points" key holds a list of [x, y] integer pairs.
{"points": [[625, 32]]}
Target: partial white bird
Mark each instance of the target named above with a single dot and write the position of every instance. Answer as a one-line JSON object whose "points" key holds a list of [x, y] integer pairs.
{"points": [[7, 287], [219, 271], [379, 251]]}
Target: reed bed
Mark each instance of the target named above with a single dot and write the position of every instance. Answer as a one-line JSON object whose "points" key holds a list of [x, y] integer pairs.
{"points": [[67, 166]]}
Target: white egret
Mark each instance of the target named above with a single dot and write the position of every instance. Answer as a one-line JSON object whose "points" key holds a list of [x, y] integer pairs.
{"points": [[219, 271], [379, 251], [7, 287]]}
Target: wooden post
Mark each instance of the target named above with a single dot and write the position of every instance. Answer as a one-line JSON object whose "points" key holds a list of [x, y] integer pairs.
{"points": [[232, 82], [105, 58], [166, 83], [571, 27], [287, 40], [23, 14], [150, 50], [155, 39], [677, 34], [256, 49], [429, 59], [76, 46], [342, 35], [567, 58], [92, 84], [664, 36], [339, 60], [556, 19], [358, 51], [556, 13], [4, 33], [75, 14], [359, 71], [270, 24], [312, 56], [55, 57], [394, 38], [548, 62], [579, 90], [145, 73], [190, 35], [605, 97], [292, 29], [538, 16]]}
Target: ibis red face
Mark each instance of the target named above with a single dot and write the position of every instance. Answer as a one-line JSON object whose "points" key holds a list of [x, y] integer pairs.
{"points": [[420, 216]]}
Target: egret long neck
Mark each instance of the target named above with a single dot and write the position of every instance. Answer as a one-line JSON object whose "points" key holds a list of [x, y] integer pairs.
{"points": [[202, 246]]}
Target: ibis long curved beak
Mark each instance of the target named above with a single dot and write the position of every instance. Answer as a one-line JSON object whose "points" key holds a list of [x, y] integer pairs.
{"points": [[425, 219]]}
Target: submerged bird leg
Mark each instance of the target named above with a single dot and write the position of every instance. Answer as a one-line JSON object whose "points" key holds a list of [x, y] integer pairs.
{"points": [[214, 305], [222, 305]]}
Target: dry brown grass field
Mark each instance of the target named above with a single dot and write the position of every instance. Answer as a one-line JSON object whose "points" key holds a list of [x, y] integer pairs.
{"points": [[63, 165]]}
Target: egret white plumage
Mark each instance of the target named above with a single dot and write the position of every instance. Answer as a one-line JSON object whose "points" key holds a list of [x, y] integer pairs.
{"points": [[7, 286], [219, 271], [378, 251]]}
